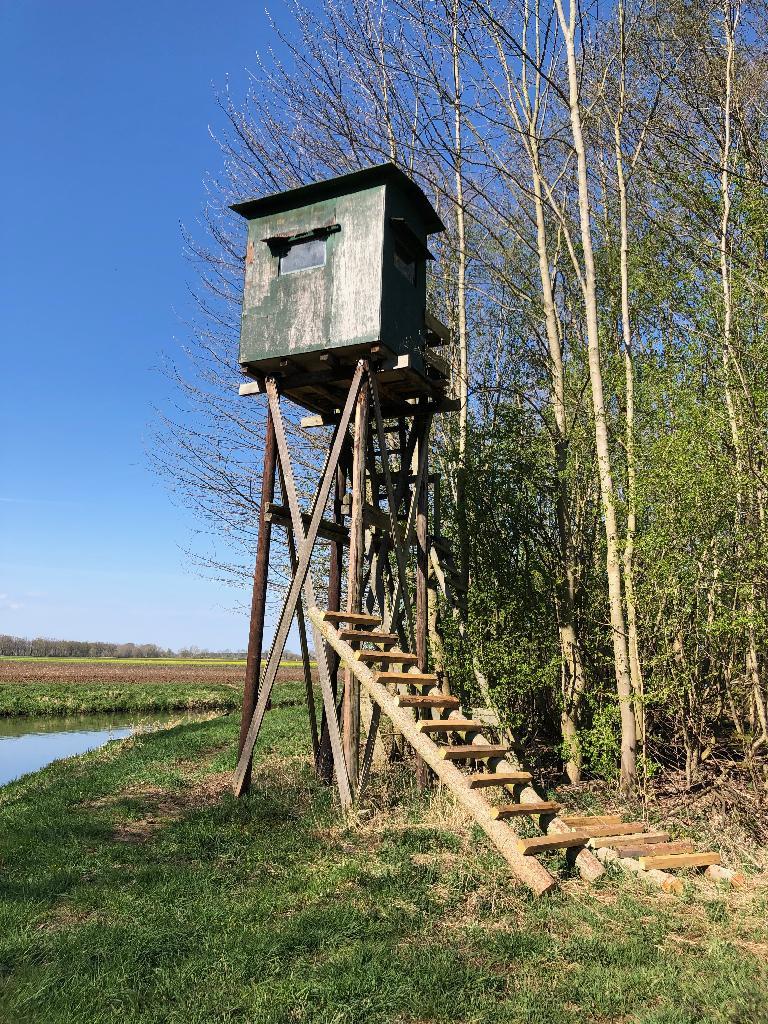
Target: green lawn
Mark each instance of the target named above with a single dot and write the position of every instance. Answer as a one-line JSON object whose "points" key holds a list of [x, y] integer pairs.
{"points": [[100, 698], [135, 888]]}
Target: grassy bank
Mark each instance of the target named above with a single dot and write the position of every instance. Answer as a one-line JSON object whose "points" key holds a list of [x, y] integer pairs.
{"points": [[134, 888], [93, 698], [68, 687]]}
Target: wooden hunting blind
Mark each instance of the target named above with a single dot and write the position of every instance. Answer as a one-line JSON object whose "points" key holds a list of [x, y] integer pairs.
{"points": [[332, 269], [335, 319]]}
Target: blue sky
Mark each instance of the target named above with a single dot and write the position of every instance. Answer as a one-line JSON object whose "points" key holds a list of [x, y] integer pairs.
{"points": [[106, 113]]}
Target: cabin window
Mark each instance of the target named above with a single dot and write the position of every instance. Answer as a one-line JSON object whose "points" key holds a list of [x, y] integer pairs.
{"points": [[303, 255], [405, 262]]}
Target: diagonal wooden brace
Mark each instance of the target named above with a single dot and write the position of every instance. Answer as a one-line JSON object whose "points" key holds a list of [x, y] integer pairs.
{"points": [[289, 495], [291, 598]]}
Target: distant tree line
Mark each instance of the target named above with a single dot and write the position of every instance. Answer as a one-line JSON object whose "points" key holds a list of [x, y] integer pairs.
{"points": [[43, 647]]}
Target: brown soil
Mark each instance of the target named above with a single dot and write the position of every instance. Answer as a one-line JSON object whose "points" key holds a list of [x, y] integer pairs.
{"points": [[130, 672], [164, 806]]}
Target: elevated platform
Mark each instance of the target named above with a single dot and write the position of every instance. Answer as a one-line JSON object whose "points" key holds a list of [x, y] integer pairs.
{"points": [[318, 380]]}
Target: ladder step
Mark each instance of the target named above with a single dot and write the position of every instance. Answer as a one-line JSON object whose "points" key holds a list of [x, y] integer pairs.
{"points": [[680, 860], [577, 820], [627, 828], [658, 849], [544, 844], [512, 810], [449, 725], [352, 635], [411, 678], [407, 701], [395, 657], [354, 618], [484, 780], [476, 751], [615, 842]]}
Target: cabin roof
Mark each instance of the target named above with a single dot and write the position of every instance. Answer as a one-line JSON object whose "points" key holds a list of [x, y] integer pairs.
{"points": [[367, 177]]}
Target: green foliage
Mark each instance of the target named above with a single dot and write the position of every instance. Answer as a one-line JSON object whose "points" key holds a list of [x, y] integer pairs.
{"points": [[601, 740]]}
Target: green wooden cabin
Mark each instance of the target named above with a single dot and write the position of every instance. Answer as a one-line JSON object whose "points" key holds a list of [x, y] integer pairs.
{"points": [[334, 268]]}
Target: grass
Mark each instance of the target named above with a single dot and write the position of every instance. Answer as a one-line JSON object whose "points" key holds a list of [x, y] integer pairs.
{"points": [[135, 888], [64, 687], [94, 698]]}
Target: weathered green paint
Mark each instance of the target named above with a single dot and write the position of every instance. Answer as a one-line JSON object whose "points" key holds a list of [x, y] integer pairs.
{"points": [[359, 297]]}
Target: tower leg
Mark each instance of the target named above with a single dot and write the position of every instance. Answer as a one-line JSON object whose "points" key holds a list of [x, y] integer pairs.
{"points": [[351, 711], [422, 570], [259, 598], [336, 568]]}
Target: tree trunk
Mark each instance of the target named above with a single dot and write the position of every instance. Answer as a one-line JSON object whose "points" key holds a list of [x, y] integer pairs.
{"points": [[589, 288], [636, 676], [461, 302], [572, 668]]}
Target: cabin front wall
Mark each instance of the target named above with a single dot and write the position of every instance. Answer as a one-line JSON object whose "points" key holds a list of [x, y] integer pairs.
{"points": [[323, 307]]}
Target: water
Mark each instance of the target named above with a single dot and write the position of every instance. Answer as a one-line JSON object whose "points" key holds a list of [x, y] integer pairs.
{"points": [[28, 744]]}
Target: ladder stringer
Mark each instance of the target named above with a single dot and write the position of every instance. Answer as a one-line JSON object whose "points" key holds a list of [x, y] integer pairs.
{"points": [[527, 868]]}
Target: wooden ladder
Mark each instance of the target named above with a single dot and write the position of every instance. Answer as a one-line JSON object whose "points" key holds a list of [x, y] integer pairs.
{"points": [[400, 695]]}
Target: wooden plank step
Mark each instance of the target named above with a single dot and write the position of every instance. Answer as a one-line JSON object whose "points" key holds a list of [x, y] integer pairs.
{"points": [[627, 828], [657, 849], [411, 678], [354, 618], [394, 657], [476, 751], [545, 844], [449, 725], [350, 636], [484, 780], [577, 820], [614, 842], [534, 807], [680, 860], [406, 700]]}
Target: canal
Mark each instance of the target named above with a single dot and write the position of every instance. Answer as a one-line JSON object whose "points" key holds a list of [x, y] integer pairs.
{"points": [[28, 744]]}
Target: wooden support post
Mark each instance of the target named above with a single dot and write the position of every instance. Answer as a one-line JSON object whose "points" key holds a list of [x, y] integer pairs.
{"points": [[422, 571], [422, 566], [306, 665], [351, 706], [335, 570], [259, 598]]}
